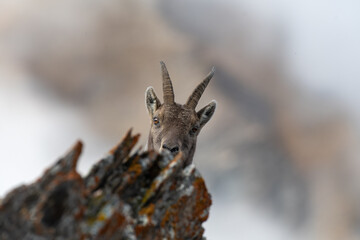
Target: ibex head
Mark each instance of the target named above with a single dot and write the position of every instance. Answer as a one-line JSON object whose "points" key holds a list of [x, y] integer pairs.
{"points": [[175, 127]]}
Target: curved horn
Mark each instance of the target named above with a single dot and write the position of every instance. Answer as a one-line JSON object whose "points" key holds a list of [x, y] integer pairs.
{"points": [[168, 91], [195, 96]]}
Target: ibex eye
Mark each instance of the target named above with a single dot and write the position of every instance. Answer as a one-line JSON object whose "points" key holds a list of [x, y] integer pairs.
{"points": [[156, 121], [194, 129]]}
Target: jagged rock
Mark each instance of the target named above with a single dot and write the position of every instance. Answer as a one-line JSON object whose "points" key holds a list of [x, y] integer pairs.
{"points": [[124, 196]]}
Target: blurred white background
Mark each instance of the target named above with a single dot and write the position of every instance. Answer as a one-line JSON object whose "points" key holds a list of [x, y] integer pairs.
{"points": [[280, 157]]}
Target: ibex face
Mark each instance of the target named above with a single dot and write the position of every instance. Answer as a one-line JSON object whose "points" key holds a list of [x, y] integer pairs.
{"points": [[175, 127]]}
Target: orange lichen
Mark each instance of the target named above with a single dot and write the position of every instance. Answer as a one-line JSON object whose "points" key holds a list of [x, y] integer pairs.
{"points": [[113, 224], [197, 207], [203, 199], [135, 169], [149, 210]]}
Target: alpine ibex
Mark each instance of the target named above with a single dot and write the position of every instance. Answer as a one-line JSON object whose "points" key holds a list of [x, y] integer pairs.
{"points": [[175, 127]]}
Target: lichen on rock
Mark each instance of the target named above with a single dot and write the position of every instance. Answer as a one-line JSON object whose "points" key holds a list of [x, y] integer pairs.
{"points": [[143, 195]]}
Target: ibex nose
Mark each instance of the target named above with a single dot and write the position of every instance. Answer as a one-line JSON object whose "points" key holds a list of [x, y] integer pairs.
{"points": [[174, 149]]}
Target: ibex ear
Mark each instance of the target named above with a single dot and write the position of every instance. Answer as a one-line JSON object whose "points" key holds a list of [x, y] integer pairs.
{"points": [[206, 113], [151, 100]]}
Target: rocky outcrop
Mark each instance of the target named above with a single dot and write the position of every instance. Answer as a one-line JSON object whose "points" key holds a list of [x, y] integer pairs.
{"points": [[142, 195]]}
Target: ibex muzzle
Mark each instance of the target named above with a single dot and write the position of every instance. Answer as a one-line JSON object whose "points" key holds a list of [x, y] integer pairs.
{"points": [[175, 127]]}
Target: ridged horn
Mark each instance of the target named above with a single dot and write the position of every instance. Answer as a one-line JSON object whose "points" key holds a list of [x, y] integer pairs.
{"points": [[199, 90], [168, 90]]}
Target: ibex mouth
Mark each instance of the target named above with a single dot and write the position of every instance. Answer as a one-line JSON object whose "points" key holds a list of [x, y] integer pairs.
{"points": [[169, 152]]}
